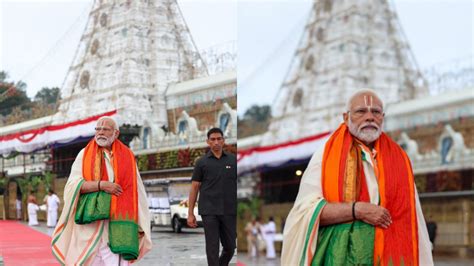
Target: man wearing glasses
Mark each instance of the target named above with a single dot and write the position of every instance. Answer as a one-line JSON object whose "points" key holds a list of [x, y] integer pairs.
{"points": [[215, 178], [357, 203], [105, 220]]}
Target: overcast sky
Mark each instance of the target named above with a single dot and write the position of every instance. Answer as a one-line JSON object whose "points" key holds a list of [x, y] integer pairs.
{"points": [[437, 31], [39, 38]]}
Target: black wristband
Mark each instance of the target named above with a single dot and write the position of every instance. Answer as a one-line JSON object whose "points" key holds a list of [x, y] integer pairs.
{"points": [[353, 210], [98, 185]]}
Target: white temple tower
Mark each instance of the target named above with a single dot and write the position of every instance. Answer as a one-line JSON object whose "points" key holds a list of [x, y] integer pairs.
{"points": [[346, 45], [128, 54]]}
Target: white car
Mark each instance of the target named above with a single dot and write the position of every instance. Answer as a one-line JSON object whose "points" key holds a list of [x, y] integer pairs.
{"points": [[179, 214], [168, 204]]}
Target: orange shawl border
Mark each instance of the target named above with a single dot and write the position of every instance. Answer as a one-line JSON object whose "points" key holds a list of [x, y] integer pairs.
{"points": [[396, 189], [124, 207]]}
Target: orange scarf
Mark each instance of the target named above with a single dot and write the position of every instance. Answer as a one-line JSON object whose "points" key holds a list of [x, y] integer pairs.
{"points": [[124, 207], [341, 180]]}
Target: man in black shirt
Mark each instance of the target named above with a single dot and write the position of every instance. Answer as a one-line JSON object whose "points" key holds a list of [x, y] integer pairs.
{"points": [[215, 177]]}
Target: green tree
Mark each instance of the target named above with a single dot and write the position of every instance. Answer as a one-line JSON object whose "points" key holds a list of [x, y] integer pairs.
{"points": [[250, 206], [3, 185], [47, 95], [48, 180], [3, 76], [255, 121], [257, 113], [12, 95]]}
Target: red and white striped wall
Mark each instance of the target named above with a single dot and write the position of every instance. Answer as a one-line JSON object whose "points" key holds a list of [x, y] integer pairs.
{"points": [[279, 154], [33, 139]]}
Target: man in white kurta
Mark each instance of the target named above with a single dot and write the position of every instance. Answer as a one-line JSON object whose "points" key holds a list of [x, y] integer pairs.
{"points": [[87, 244], [52, 201]]}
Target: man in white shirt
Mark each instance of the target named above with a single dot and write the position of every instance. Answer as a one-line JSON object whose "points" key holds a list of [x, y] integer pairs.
{"points": [[52, 201]]}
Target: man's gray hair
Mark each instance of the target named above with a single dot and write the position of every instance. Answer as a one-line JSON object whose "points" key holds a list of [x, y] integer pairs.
{"points": [[359, 92], [116, 127]]}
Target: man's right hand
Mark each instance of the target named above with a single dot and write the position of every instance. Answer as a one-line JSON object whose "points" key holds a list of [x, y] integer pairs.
{"points": [[111, 188], [373, 214], [192, 220]]}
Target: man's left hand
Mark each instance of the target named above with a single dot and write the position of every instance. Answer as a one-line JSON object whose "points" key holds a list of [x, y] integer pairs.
{"points": [[111, 188], [373, 214]]}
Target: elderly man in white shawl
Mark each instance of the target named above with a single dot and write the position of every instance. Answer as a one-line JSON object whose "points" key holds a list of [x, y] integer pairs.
{"points": [[357, 203], [105, 220]]}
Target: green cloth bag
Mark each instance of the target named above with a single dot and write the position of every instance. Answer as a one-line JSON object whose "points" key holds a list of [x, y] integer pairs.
{"points": [[92, 207], [123, 238]]}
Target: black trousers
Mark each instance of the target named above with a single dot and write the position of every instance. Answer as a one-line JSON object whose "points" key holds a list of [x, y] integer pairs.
{"points": [[223, 228]]}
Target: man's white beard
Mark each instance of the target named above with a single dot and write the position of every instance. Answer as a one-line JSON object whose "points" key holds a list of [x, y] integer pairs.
{"points": [[104, 141], [365, 135]]}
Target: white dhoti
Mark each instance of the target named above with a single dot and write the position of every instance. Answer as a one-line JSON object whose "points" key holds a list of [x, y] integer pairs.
{"points": [[53, 206], [269, 240], [52, 218], [105, 257], [270, 230]]}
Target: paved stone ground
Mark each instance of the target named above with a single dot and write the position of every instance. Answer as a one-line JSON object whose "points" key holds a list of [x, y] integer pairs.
{"points": [[262, 261], [438, 261], [188, 248], [448, 261], [259, 261], [169, 248]]}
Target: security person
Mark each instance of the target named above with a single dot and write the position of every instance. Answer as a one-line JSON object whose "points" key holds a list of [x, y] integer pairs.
{"points": [[215, 177]]}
